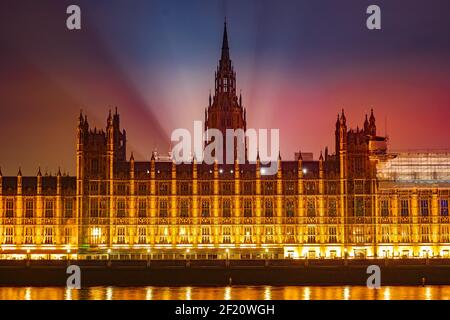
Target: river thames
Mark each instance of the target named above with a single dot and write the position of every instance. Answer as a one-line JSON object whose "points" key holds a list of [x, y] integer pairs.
{"points": [[228, 293]]}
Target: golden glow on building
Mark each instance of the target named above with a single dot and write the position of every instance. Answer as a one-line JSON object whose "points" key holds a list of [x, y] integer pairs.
{"points": [[360, 201]]}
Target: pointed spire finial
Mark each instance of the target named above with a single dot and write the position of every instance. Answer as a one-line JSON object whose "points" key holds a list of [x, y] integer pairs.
{"points": [[19, 174], [299, 158], [132, 156], [39, 174], [225, 48], [372, 117], [59, 172]]}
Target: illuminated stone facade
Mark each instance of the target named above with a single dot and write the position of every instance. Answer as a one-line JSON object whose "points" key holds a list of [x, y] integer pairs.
{"points": [[360, 201]]}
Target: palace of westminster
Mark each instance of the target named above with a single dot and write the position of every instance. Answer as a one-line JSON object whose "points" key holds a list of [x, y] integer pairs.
{"points": [[359, 202]]}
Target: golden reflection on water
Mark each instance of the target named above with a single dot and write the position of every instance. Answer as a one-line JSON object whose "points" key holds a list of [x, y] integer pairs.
{"points": [[228, 293]]}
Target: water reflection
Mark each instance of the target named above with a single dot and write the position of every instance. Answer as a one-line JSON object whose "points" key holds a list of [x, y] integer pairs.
{"points": [[227, 293]]}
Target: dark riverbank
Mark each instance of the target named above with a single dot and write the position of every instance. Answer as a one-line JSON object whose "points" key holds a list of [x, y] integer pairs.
{"points": [[220, 272]]}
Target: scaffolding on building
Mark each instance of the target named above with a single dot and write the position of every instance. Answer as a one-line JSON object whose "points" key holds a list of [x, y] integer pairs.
{"points": [[415, 167]]}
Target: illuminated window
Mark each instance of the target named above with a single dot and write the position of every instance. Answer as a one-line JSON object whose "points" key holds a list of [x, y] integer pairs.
{"points": [[248, 235], [289, 187], [48, 235], [163, 235], [290, 209], [184, 188], [290, 234], [67, 235], [425, 233], [163, 189], [385, 234], [142, 188], [142, 208], [443, 206], [205, 188], [248, 187], [268, 212], [93, 188], [226, 188], [424, 207], [444, 234], [9, 213], [68, 208], [358, 234], [359, 206], [29, 208], [226, 208], [121, 189], [404, 234], [184, 209], [96, 235], [8, 235], [332, 235], [331, 187], [103, 212], [384, 207], [248, 208], [404, 207], [163, 209], [48, 209], [269, 187], [205, 235], [142, 235], [184, 237], [310, 187], [311, 208], [269, 234], [359, 186], [29, 235], [311, 234], [121, 208], [226, 233], [332, 207], [225, 85], [120, 235], [94, 208], [205, 208]]}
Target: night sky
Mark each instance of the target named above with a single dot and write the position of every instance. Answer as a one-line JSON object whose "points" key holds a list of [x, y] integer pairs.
{"points": [[298, 64]]}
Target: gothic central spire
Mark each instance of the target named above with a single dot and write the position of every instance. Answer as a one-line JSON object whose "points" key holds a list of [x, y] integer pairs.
{"points": [[225, 76], [225, 110], [225, 48]]}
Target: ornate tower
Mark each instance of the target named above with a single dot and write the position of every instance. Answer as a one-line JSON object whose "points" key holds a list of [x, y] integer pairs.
{"points": [[225, 109]]}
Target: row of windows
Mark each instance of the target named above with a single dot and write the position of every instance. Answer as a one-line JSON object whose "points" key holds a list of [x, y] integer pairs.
{"points": [[29, 235], [227, 187], [205, 208], [405, 207], [98, 208], [358, 235], [49, 208]]}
